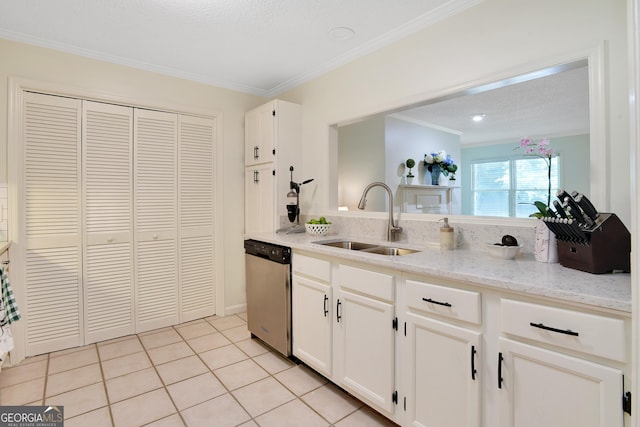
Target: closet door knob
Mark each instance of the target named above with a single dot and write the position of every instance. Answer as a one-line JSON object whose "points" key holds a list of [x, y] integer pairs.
{"points": [[155, 237], [109, 239]]}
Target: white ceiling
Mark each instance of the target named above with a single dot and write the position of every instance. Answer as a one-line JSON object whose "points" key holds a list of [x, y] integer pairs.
{"points": [[256, 46], [265, 47]]}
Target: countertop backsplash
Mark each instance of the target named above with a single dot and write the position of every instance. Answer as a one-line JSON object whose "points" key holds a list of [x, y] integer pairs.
{"points": [[419, 232]]}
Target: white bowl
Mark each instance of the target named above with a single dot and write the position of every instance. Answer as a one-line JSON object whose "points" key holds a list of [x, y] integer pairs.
{"points": [[503, 252], [317, 229]]}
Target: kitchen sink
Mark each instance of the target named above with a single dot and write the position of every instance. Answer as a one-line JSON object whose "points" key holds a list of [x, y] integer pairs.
{"points": [[368, 247], [387, 250], [348, 244]]}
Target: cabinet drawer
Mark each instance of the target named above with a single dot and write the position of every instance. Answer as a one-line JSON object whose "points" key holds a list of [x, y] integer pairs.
{"points": [[445, 301], [312, 267], [587, 333], [367, 282]]}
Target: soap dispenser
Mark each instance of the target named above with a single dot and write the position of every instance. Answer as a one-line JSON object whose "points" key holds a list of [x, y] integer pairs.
{"points": [[446, 236]]}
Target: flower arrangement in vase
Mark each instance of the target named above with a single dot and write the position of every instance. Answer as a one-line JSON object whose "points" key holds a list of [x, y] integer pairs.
{"points": [[439, 162]]}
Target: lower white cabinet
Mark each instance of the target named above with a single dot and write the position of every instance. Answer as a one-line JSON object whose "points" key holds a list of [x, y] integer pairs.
{"points": [[442, 368], [312, 320], [455, 356], [365, 349], [539, 387]]}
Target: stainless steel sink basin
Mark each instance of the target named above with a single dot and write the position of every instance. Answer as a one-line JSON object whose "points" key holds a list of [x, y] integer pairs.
{"points": [[386, 250], [369, 247], [348, 244]]}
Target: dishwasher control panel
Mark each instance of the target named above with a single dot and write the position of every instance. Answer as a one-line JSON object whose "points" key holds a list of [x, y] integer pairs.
{"points": [[276, 253]]}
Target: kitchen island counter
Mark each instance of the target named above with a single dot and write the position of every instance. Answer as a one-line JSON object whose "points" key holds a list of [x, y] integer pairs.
{"points": [[523, 275]]}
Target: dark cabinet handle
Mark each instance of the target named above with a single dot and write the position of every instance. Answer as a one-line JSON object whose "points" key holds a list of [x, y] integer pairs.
{"points": [[500, 359], [549, 328], [473, 362], [256, 177], [256, 152], [446, 304], [338, 315], [326, 309]]}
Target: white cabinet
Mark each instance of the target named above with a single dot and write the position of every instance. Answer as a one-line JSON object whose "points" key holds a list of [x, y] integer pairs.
{"points": [[259, 196], [259, 135], [349, 338], [312, 312], [539, 387], [364, 348], [459, 356], [272, 143], [442, 362]]}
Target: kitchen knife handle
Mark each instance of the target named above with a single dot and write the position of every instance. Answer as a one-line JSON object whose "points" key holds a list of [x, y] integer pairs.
{"points": [[586, 206], [559, 209], [549, 328]]}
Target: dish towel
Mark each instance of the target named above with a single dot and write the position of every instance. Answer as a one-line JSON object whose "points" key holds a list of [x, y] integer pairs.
{"points": [[10, 308]]}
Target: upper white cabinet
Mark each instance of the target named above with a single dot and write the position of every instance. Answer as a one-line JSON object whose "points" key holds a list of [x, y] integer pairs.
{"points": [[273, 135]]}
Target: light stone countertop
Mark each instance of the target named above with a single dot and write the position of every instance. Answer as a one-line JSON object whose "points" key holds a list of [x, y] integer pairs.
{"points": [[524, 274]]}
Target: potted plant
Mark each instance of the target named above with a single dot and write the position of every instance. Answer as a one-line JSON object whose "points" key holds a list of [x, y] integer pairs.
{"points": [[438, 162], [410, 163]]}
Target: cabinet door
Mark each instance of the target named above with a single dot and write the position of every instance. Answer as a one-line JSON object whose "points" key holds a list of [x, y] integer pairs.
{"points": [[259, 199], [196, 216], [365, 348], [259, 135], [442, 368], [312, 323], [50, 240], [108, 267], [155, 136], [540, 387]]}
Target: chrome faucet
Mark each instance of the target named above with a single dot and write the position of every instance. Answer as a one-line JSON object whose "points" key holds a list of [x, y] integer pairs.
{"points": [[392, 229]]}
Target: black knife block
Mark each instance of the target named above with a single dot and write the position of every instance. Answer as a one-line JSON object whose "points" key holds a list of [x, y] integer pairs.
{"points": [[608, 248]]}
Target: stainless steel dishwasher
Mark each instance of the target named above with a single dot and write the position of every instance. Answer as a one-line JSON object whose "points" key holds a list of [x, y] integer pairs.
{"points": [[268, 274]]}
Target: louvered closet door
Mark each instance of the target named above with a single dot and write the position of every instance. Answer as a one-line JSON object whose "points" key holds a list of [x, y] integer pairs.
{"points": [[155, 195], [108, 257], [51, 222], [196, 201]]}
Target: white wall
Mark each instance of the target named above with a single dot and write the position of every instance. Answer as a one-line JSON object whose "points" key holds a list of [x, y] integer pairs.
{"points": [[494, 39], [46, 65]]}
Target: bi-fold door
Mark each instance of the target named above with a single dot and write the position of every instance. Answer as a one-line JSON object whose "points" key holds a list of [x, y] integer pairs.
{"points": [[117, 232]]}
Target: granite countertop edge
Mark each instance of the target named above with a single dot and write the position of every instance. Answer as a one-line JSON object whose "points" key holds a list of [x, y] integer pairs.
{"points": [[523, 274]]}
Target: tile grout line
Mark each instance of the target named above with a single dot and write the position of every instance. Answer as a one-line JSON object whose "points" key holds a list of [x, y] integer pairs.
{"points": [[104, 385]]}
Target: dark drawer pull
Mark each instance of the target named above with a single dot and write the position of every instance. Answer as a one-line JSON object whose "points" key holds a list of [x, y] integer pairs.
{"points": [[326, 310], [549, 328], [446, 304], [500, 379], [338, 311], [473, 362]]}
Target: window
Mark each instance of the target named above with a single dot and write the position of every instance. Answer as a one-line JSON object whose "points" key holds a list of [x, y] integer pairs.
{"points": [[508, 187]]}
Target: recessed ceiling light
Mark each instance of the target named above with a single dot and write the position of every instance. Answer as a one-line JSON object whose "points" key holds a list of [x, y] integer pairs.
{"points": [[478, 117], [342, 33]]}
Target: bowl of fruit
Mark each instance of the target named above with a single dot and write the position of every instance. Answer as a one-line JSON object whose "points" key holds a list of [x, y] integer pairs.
{"points": [[318, 227], [508, 248]]}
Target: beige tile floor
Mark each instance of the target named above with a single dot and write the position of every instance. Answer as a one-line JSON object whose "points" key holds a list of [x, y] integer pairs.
{"points": [[208, 372]]}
